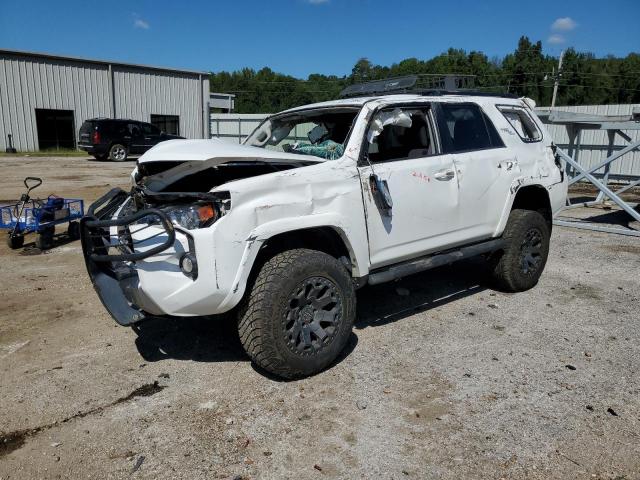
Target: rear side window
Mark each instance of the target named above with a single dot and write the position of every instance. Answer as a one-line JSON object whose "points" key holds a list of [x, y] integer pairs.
{"points": [[134, 130], [464, 127], [521, 122], [87, 127]]}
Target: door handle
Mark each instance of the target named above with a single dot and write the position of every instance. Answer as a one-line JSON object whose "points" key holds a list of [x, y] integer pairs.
{"points": [[444, 175]]}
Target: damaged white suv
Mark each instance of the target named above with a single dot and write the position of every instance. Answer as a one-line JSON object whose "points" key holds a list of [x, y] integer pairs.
{"points": [[319, 201]]}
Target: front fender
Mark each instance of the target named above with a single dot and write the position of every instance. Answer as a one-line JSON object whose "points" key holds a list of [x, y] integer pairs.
{"points": [[356, 246]]}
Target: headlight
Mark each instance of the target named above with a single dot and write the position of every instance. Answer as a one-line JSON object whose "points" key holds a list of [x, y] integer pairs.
{"points": [[193, 216]]}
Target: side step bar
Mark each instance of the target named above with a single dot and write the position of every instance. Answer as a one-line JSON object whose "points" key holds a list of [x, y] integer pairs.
{"points": [[428, 262]]}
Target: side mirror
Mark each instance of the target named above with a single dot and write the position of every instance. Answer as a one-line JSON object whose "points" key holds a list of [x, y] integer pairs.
{"points": [[381, 194]]}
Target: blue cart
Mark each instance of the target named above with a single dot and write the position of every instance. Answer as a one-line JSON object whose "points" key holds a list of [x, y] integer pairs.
{"points": [[41, 216]]}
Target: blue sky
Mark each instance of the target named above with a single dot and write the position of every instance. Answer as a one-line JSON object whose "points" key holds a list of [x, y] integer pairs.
{"points": [[299, 37]]}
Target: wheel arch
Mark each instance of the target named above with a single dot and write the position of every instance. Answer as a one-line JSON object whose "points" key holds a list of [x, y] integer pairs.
{"points": [[261, 246], [325, 238], [536, 198]]}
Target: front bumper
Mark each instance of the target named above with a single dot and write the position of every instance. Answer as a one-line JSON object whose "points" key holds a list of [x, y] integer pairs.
{"points": [[109, 262], [135, 267]]}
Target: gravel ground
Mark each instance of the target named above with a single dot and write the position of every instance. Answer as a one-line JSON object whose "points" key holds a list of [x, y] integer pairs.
{"points": [[443, 377]]}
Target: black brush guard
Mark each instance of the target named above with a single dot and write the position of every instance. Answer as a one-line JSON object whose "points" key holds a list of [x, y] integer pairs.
{"points": [[113, 278]]}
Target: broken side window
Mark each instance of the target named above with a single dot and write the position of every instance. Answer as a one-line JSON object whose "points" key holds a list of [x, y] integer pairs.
{"points": [[399, 134]]}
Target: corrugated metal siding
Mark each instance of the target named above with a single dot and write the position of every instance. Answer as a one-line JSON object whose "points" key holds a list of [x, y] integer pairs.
{"points": [[141, 94], [234, 127], [28, 82], [594, 143]]}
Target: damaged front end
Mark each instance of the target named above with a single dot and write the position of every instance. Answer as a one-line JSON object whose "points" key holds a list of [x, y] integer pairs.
{"points": [[122, 230]]}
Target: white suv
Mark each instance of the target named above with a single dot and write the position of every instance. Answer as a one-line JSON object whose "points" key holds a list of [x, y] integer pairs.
{"points": [[319, 201]]}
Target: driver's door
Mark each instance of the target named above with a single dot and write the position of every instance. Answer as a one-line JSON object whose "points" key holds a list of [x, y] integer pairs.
{"points": [[422, 185], [151, 135], [136, 138]]}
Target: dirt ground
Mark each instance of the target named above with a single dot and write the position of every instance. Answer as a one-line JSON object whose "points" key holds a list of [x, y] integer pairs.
{"points": [[443, 377]]}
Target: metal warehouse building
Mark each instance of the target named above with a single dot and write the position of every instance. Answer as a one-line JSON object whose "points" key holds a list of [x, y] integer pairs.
{"points": [[45, 98]]}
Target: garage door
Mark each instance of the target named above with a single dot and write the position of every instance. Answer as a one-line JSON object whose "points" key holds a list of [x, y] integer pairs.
{"points": [[55, 129]]}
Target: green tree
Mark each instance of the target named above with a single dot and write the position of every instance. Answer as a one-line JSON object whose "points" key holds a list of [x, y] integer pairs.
{"points": [[526, 72]]}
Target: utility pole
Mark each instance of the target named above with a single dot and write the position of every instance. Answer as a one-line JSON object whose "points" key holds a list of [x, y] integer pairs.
{"points": [[557, 80]]}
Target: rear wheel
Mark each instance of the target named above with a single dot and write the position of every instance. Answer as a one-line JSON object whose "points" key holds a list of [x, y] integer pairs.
{"points": [[298, 315], [118, 152], [519, 266]]}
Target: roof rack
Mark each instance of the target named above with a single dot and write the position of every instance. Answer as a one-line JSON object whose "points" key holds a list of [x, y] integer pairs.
{"points": [[409, 84], [387, 86], [471, 93], [424, 84]]}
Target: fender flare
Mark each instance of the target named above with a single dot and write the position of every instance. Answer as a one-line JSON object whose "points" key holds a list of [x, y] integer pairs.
{"points": [[516, 187], [261, 234]]}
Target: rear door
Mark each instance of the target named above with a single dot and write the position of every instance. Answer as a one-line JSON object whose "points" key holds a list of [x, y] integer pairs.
{"points": [[485, 168], [421, 182], [136, 138], [85, 136], [151, 135]]}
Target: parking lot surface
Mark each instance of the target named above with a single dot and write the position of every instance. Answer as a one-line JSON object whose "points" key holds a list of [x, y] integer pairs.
{"points": [[443, 377]]}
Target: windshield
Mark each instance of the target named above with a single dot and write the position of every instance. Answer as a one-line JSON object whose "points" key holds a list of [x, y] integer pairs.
{"points": [[322, 132]]}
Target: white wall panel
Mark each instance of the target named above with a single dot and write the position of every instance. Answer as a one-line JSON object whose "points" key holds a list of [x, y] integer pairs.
{"points": [[31, 81]]}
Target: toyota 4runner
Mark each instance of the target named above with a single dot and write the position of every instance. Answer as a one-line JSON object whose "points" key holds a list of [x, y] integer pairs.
{"points": [[319, 201]]}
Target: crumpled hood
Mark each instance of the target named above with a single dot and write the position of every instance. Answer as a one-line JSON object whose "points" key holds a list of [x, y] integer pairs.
{"points": [[215, 152]]}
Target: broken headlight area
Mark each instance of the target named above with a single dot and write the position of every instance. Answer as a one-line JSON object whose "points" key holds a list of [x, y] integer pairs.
{"points": [[194, 216], [185, 210]]}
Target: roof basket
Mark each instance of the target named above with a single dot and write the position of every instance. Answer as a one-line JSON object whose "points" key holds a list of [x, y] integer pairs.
{"points": [[409, 84]]}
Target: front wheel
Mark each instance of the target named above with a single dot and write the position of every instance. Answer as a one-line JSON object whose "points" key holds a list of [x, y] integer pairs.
{"points": [[118, 152], [298, 315], [519, 265]]}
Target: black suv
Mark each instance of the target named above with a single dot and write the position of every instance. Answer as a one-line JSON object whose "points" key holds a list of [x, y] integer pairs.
{"points": [[116, 139]]}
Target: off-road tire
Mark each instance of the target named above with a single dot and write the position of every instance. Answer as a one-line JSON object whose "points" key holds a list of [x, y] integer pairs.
{"points": [[15, 241], [519, 265], [269, 305], [118, 152]]}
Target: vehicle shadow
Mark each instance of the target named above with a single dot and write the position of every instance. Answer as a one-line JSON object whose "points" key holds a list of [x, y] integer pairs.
{"points": [[611, 216], [129, 159], [389, 302], [215, 338], [200, 339]]}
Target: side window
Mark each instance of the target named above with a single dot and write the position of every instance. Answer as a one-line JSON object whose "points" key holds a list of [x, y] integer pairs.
{"points": [[464, 127], [399, 134], [150, 129], [521, 122], [121, 129], [134, 129]]}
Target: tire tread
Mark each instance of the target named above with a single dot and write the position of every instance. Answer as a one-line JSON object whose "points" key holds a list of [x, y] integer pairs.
{"points": [[253, 324]]}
